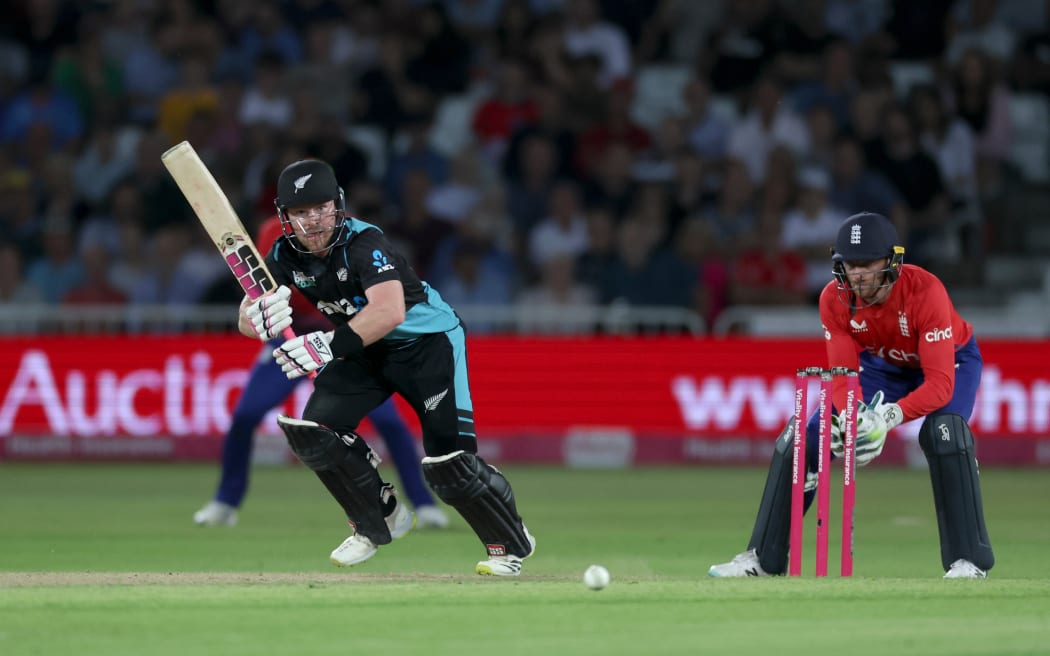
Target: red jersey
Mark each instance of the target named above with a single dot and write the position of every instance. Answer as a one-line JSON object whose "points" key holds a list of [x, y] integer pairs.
{"points": [[916, 327], [306, 316]]}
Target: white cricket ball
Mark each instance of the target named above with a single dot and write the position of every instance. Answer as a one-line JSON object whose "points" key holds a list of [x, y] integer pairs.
{"points": [[596, 577]]}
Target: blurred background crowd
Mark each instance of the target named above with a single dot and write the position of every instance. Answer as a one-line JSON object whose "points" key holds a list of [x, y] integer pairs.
{"points": [[534, 154]]}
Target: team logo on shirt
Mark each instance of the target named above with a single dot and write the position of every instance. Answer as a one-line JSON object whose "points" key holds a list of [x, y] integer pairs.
{"points": [[342, 274], [302, 280], [902, 321], [938, 334], [861, 327], [380, 262]]}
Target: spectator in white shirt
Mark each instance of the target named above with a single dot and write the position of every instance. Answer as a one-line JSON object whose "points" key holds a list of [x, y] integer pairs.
{"points": [[587, 34], [769, 123]]}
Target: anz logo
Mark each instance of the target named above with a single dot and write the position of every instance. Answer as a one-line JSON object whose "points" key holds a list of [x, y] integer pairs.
{"points": [[380, 262], [343, 306]]}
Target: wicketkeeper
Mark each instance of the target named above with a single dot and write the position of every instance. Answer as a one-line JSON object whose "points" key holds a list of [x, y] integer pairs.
{"points": [[917, 359]]}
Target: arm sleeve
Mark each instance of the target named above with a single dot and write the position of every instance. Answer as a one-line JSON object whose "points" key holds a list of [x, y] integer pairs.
{"points": [[842, 350], [936, 353]]}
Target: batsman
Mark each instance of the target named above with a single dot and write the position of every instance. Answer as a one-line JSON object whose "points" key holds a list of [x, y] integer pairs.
{"points": [[917, 359], [392, 332]]}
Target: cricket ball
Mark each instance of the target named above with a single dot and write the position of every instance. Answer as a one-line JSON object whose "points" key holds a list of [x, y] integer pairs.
{"points": [[596, 577]]}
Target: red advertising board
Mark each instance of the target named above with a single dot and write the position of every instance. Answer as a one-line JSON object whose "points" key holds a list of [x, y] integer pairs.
{"points": [[579, 400]]}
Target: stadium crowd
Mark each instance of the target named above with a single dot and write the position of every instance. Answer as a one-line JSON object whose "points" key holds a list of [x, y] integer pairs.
{"points": [[537, 153]]}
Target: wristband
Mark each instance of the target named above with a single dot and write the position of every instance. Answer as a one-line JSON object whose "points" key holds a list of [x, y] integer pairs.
{"points": [[346, 342]]}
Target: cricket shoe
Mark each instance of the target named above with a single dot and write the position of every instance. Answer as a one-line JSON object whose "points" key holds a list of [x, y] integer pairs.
{"points": [[964, 569], [357, 548], [216, 513], [430, 516], [743, 565], [507, 565]]}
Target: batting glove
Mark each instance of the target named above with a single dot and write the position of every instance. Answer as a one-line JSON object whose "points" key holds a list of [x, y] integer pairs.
{"points": [[270, 314], [305, 353]]}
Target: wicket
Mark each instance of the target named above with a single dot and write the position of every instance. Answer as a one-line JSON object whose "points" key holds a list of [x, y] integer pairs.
{"points": [[798, 468]]}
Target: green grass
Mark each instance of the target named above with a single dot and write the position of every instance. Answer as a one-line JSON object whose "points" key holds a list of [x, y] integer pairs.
{"points": [[103, 559]]}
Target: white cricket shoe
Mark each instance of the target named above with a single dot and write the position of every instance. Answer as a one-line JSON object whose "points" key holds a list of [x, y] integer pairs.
{"points": [[964, 569], [400, 521], [743, 565], [216, 513], [430, 516], [357, 548], [354, 550], [507, 565]]}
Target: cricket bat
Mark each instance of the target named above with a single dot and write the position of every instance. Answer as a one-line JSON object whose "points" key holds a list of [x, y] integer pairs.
{"points": [[218, 217]]}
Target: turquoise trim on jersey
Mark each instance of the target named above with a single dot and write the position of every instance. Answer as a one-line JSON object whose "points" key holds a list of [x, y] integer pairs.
{"points": [[462, 382], [357, 225], [433, 316], [276, 250]]}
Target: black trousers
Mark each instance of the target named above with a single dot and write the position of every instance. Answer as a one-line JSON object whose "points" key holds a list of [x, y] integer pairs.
{"points": [[430, 373]]}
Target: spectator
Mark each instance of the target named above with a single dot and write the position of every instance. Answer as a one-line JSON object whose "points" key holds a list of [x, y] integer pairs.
{"points": [[527, 197], [810, 227], [564, 231], [194, 92], [612, 184], [743, 47], [735, 211], [765, 273], [106, 158], [57, 271], [587, 33], [645, 276], [510, 108], [418, 155], [918, 180], [980, 100], [14, 288], [265, 101], [558, 302], [707, 131], [41, 106], [617, 128], [593, 265], [767, 124], [414, 229], [442, 63], [95, 288], [856, 188], [695, 245], [976, 25], [549, 123], [835, 88]]}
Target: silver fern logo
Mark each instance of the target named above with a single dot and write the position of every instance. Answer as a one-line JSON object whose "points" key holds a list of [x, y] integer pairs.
{"points": [[299, 183], [433, 401]]}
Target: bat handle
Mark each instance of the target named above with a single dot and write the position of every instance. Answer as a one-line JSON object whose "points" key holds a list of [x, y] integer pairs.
{"points": [[288, 333]]}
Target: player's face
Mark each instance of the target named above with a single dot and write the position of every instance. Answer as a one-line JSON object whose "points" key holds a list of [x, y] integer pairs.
{"points": [[314, 225], [868, 280]]}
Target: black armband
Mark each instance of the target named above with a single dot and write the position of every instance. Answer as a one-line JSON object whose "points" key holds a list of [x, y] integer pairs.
{"points": [[346, 342]]}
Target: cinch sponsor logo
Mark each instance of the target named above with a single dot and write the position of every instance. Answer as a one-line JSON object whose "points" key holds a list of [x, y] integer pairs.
{"points": [[895, 355], [938, 335]]}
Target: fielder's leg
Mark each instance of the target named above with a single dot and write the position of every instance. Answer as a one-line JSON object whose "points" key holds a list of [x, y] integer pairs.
{"points": [[948, 444], [348, 469]]}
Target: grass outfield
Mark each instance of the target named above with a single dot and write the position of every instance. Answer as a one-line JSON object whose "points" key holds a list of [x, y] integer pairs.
{"points": [[104, 560]]}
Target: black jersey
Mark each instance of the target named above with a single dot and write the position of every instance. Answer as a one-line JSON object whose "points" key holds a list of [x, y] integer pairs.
{"points": [[337, 282]]}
